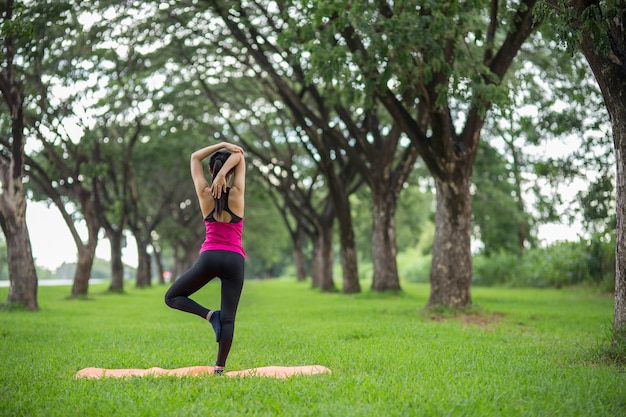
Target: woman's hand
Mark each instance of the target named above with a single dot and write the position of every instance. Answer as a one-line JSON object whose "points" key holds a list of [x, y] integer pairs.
{"points": [[233, 148], [219, 186]]}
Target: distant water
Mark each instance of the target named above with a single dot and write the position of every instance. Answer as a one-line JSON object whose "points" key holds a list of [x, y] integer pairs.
{"points": [[54, 282]]}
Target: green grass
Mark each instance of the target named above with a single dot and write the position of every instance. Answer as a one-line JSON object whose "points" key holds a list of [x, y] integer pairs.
{"points": [[515, 353]]}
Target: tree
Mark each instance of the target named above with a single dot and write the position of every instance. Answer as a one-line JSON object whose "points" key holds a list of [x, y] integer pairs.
{"points": [[112, 143], [301, 196], [599, 28], [23, 32], [66, 181], [61, 169], [122, 113], [437, 68]]}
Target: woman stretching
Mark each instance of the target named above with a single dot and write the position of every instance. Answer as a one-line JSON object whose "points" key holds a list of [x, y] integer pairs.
{"points": [[221, 254]]}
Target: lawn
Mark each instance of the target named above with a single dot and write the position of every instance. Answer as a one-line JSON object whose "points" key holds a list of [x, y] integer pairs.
{"points": [[515, 353]]}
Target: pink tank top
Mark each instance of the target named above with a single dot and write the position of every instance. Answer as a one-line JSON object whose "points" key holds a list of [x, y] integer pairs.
{"points": [[223, 236]]}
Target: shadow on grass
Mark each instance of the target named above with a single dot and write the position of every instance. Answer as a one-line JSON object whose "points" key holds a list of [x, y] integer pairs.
{"points": [[470, 315]]}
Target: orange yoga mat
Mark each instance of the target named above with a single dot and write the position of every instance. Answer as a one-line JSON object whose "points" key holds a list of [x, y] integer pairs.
{"points": [[282, 372]]}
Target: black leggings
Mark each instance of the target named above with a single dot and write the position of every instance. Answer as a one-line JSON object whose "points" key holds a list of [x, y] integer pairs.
{"points": [[229, 267]]}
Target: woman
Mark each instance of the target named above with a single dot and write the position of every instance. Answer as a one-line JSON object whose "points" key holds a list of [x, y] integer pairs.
{"points": [[221, 254]]}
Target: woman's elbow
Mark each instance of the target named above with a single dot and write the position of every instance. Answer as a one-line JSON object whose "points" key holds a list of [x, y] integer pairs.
{"points": [[240, 158]]}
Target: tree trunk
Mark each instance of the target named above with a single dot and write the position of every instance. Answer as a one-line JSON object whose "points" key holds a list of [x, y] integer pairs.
{"points": [[322, 262], [144, 271], [22, 273], [144, 267], [341, 204], [351, 284], [84, 265], [610, 73], [86, 251], [619, 137], [190, 257], [176, 263], [316, 264], [191, 253], [117, 266], [159, 264], [522, 228], [185, 255], [349, 264], [384, 249], [298, 255], [451, 268]]}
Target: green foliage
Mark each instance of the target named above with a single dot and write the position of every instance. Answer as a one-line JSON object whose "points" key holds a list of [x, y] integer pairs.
{"points": [[405, 46], [597, 204], [594, 19], [561, 264], [497, 211], [414, 265], [550, 139], [517, 353], [31, 24]]}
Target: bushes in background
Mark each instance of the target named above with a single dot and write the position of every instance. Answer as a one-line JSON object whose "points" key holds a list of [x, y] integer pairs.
{"points": [[589, 261]]}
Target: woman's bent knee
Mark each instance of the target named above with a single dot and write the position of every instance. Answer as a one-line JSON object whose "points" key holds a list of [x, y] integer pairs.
{"points": [[169, 299]]}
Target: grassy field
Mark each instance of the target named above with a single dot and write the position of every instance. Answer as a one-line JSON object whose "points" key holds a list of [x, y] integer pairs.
{"points": [[516, 353]]}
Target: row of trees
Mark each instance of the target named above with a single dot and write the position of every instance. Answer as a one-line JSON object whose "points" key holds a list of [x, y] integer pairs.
{"points": [[328, 100]]}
